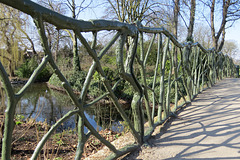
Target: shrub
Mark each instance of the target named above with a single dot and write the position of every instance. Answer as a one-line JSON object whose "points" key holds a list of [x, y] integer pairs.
{"points": [[77, 79], [27, 68], [54, 80], [96, 86]]}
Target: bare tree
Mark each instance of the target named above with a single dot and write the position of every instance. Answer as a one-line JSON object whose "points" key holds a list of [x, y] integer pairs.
{"points": [[75, 11], [55, 36], [176, 14], [230, 12], [230, 48], [191, 21], [130, 11], [202, 34]]}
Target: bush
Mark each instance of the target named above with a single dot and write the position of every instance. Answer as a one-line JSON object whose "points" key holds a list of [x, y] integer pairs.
{"points": [[54, 80], [96, 87], [77, 79], [27, 68]]}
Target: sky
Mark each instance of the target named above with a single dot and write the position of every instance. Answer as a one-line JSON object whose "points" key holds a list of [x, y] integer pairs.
{"points": [[232, 33], [98, 12]]}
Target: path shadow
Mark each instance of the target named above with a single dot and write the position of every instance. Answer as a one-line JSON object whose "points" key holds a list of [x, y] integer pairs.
{"points": [[209, 128]]}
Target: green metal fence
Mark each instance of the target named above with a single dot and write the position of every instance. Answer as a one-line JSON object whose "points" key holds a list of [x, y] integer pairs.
{"points": [[190, 65]]}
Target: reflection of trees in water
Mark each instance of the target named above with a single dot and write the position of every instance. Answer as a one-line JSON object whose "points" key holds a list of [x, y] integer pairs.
{"points": [[104, 115], [44, 104], [61, 103], [48, 105], [30, 105]]}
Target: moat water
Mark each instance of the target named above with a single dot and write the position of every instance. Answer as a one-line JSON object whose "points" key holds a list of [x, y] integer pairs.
{"points": [[45, 104]]}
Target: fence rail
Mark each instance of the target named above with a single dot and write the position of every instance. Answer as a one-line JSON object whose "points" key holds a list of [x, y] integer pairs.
{"points": [[190, 65]]}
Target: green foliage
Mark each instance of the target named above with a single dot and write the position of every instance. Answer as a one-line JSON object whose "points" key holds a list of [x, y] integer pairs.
{"points": [[54, 80], [152, 57], [65, 64], [97, 88], [18, 122], [125, 90], [27, 68], [109, 59], [172, 93], [58, 139], [76, 79], [19, 119], [45, 74]]}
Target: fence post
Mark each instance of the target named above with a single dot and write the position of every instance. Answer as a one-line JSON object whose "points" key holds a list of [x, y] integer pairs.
{"points": [[237, 68]]}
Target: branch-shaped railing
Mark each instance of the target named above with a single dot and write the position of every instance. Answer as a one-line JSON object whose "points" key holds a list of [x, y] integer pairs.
{"points": [[190, 65]]}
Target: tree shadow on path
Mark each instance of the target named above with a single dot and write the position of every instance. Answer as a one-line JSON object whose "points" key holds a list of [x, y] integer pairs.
{"points": [[209, 128]]}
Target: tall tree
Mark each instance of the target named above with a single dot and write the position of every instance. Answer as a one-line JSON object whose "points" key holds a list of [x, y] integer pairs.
{"points": [[191, 21], [55, 36], [75, 10], [203, 39], [130, 11], [230, 48], [230, 12], [11, 33], [176, 14]]}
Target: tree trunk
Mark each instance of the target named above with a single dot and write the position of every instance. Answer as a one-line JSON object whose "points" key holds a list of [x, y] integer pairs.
{"points": [[222, 41], [176, 13], [212, 8], [191, 21], [76, 61], [221, 31]]}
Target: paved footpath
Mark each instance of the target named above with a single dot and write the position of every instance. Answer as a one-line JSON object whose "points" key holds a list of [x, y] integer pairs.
{"points": [[207, 129]]}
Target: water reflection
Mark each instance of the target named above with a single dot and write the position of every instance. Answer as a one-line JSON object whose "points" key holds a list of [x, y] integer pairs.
{"points": [[44, 104]]}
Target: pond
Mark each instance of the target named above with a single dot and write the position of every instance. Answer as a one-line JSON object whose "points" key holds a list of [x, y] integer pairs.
{"points": [[44, 104]]}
